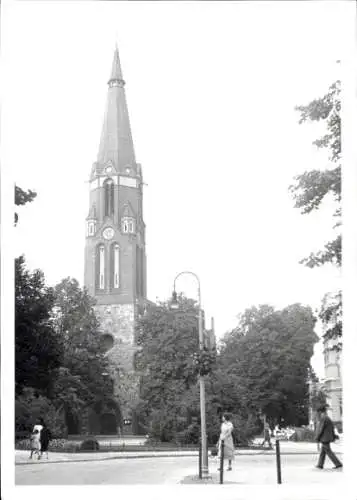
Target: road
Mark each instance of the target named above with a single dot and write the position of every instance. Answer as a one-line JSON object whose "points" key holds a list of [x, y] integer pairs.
{"points": [[248, 470]]}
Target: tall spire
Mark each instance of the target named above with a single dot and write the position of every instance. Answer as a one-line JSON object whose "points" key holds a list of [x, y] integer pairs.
{"points": [[116, 75], [116, 143]]}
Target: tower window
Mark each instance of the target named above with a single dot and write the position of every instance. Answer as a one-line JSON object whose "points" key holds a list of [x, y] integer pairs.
{"points": [[128, 225], [109, 197], [101, 267], [91, 229], [116, 265]]}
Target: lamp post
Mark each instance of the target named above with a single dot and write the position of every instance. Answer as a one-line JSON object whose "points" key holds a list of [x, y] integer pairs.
{"points": [[175, 305]]}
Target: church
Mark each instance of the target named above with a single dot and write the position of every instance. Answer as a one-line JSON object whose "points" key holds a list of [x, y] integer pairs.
{"points": [[115, 257]]}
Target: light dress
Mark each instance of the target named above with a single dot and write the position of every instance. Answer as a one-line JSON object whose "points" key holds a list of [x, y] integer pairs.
{"points": [[226, 436], [39, 428]]}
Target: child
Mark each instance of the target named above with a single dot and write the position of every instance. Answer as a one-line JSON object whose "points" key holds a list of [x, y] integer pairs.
{"points": [[35, 443]]}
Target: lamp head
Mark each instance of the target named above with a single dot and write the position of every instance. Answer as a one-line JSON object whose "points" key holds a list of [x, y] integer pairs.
{"points": [[174, 302]]}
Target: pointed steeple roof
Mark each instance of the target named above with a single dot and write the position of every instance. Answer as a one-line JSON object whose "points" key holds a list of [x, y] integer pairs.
{"points": [[116, 75], [116, 143]]}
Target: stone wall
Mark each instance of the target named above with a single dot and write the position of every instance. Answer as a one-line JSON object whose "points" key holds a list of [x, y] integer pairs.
{"points": [[119, 321]]}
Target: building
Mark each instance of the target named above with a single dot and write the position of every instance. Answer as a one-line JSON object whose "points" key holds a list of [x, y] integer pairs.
{"points": [[115, 257], [332, 384]]}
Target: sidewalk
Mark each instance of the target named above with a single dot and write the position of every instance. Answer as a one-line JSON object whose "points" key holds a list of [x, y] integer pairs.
{"points": [[286, 448], [22, 456], [292, 475]]}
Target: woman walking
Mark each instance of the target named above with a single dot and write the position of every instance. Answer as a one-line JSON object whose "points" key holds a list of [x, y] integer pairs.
{"points": [[226, 436], [45, 438]]}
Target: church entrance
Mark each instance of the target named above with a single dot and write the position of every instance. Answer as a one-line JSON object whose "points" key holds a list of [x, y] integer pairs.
{"points": [[108, 424], [106, 417]]}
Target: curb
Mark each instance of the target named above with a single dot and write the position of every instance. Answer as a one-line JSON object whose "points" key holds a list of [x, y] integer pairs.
{"points": [[101, 459], [122, 457]]}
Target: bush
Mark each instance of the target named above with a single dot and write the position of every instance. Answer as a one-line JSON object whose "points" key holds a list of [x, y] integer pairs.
{"points": [[190, 435], [57, 444], [89, 445], [29, 407], [23, 444], [303, 434], [71, 447]]}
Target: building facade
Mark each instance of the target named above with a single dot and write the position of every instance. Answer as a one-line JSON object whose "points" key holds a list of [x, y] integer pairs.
{"points": [[115, 257], [332, 384]]}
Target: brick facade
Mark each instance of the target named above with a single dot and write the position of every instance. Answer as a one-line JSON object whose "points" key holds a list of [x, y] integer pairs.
{"points": [[115, 259]]}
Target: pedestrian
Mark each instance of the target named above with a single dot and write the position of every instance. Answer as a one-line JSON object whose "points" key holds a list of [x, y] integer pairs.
{"points": [[277, 431], [325, 435], [35, 445], [226, 436], [45, 437], [37, 428], [267, 436]]}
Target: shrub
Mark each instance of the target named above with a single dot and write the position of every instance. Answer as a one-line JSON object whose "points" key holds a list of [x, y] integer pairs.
{"points": [[71, 447], [29, 407], [303, 434], [189, 435], [57, 444], [23, 444], [89, 445]]}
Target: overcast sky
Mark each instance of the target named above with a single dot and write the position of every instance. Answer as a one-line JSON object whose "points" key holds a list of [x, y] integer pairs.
{"points": [[211, 89]]}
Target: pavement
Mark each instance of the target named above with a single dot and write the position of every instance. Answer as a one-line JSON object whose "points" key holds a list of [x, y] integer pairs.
{"points": [[286, 448], [249, 471]]}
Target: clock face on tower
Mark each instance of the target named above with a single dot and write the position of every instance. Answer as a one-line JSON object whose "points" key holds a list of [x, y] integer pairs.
{"points": [[108, 233]]}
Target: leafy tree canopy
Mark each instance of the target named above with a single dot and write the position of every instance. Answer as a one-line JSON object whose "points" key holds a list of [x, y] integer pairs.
{"points": [[312, 187], [58, 358], [269, 354], [168, 340], [22, 197], [37, 346], [80, 380]]}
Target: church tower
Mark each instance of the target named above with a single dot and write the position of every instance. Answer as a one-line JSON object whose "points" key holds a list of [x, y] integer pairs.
{"points": [[115, 259]]}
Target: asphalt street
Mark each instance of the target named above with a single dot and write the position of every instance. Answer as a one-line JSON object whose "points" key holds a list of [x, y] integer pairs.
{"points": [[248, 470]]}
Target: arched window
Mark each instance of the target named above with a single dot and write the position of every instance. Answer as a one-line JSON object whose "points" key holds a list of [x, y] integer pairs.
{"points": [[108, 197], [101, 267], [128, 225], [90, 228], [114, 265], [106, 342], [116, 279]]}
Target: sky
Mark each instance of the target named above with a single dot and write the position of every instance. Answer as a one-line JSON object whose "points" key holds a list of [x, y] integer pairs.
{"points": [[211, 89]]}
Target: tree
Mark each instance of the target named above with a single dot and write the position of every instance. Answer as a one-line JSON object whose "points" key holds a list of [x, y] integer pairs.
{"points": [[170, 362], [30, 406], [37, 346], [269, 354], [313, 187], [168, 341], [81, 380], [22, 197]]}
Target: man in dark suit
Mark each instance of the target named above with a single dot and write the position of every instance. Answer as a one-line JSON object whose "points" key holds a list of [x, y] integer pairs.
{"points": [[325, 435]]}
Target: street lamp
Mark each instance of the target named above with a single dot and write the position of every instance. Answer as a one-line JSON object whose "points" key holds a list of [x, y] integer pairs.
{"points": [[175, 305]]}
